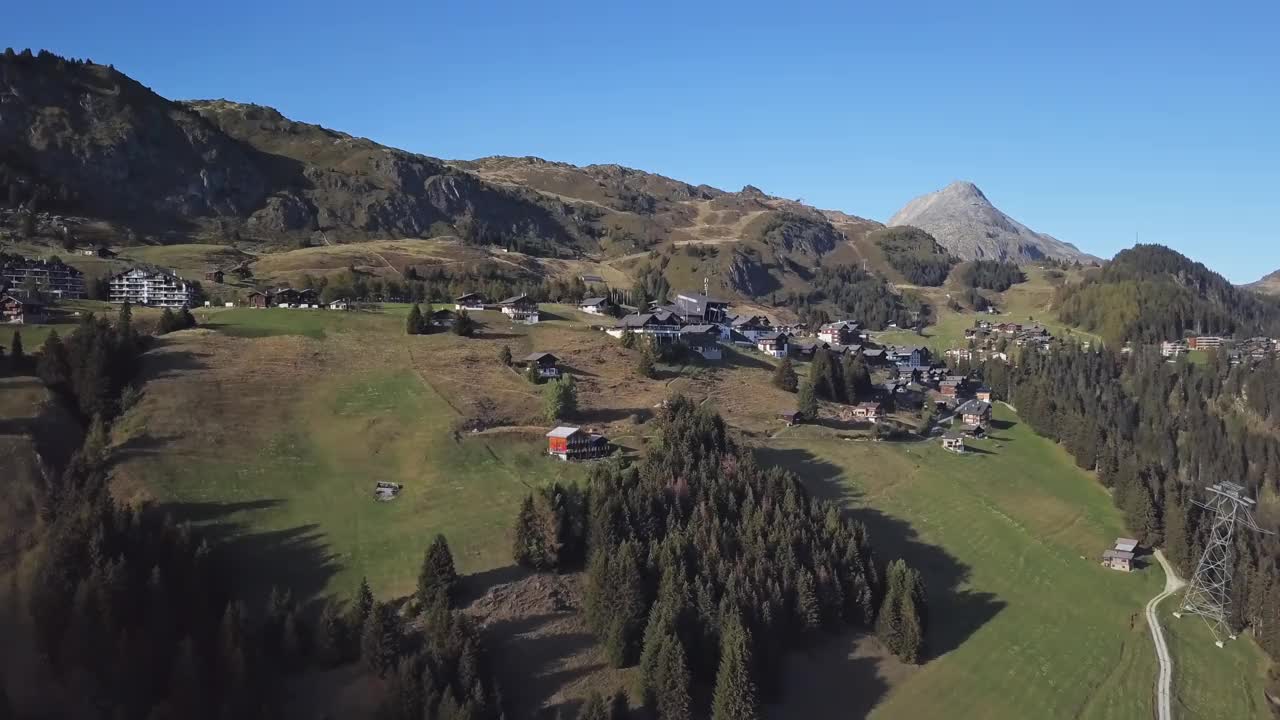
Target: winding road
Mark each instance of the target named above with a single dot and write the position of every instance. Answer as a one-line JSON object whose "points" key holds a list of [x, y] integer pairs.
{"points": [[1164, 692]]}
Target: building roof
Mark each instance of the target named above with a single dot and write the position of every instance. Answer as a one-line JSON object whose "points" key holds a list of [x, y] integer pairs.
{"points": [[983, 389], [563, 431], [1126, 544], [516, 299], [974, 407], [869, 405], [873, 352], [469, 296], [773, 336], [637, 320], [590, 302], [1117, 554], [703, 329], [952, 435], [839, 325], [591, 278], [740, 320], [539, 356]]}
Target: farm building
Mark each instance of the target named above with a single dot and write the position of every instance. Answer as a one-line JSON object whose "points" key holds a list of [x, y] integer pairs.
{"points": [[521, 309], [596, 305], [260, 299], [470, 301], [774, 344], [19, 312], [953, 441], [1121, 556], [703, 340], [151, 287], [545, 362], [571, 443]]}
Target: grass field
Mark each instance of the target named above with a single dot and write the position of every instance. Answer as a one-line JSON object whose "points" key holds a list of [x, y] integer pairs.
{"points": [[1028, 624]]}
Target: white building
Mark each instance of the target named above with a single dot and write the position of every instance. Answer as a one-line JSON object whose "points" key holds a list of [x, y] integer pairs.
{"points": [[151, 287]]}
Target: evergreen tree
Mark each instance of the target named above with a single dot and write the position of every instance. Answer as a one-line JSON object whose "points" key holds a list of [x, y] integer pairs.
{"points": [[380, 639], [644, 363], [807, 401], [438, 579], [784, 376], [857, 378], [185, 319], [504, 356], [362, 606], [594, 708], [735, 692], [167, 324], [17, 357], [52, 367], [671, 682], [332, 640], [619, 707], [413, 323], [560, 399], [464, 325]]}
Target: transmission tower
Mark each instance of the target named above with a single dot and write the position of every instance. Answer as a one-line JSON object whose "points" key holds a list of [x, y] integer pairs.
{"points": [[1210, 593]]}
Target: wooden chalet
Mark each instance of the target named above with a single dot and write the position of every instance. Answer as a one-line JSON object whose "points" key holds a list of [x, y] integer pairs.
{"points": [[20, 312], [596, 306], [953, 441], [470, 301], [703, 339], [983, 393], [547, 364], [774, 344], [974, 412], [662, 326], [869, 411], [521, 309], [1121, 556], [793, 418], [259, 299], [571, 443], [443, 317], [751, 326], [215, 276]]}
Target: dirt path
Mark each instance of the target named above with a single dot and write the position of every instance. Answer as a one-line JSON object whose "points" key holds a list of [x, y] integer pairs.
{"points": [[1164, 692]]}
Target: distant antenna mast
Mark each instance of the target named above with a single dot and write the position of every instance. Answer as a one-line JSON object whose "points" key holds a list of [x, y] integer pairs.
{"points": [[706, 286], [1210, 593]]}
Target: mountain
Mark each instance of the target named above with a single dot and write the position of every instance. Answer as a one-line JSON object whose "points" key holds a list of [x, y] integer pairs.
{"points": [[965, 222], [88, 143], [1150, 293], [1269, 284]]}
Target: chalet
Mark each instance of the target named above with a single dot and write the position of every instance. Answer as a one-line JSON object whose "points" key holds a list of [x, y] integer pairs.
{"points": [[974, 412], [661, 326], [912, 357], [20, 312], [983, 394], [773, 344], [308, 297], [869, 411], [1204, 342], [843, 332], [340, 304], [874, 356], [949, 388], [703, 339], [545, 362], [470, 301], [151, 287], [443, 317], [751, 326], [792, 418], [101, 251], [260, 299], [1007, 328], [591, 279], [596, 306], [953, 441], [1121, 556], [215, 276], [521, 309], [571, 443], [697, 308]]}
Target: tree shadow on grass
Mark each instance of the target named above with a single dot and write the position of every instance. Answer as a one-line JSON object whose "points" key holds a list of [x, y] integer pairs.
{"points": [[955, 612], [840, 678], [296, 558], [739, 359]]}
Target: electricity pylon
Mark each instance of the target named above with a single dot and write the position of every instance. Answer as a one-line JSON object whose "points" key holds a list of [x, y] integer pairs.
{"points": [[1210, 593]]}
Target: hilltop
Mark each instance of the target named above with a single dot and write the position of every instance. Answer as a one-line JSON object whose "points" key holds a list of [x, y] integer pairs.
{"points": [[965, 222], [1269, 284]]}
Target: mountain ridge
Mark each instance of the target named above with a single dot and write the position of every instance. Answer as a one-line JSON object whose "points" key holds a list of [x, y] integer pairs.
{"points": [[1268, 284], [964, 220]]}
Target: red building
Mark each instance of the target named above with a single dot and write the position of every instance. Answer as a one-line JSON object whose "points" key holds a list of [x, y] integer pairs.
{"points": [[571, 443]]}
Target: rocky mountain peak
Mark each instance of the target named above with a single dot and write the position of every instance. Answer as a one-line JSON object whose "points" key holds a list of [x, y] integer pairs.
{"points": [[965, 222]]}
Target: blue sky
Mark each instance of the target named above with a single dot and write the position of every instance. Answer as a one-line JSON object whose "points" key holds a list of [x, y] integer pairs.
{"points": [[1095, 122]]}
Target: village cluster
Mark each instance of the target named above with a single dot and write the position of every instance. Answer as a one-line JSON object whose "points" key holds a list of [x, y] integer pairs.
{"points": [[1237, 351]]}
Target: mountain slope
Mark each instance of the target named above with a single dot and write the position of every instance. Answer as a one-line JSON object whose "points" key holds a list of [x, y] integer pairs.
{"points": [[1269, 284], [965, 222], [1150, 293]]}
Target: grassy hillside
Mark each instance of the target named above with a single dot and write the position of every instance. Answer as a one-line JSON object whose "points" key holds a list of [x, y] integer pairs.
{"points": [[1007, 538]]}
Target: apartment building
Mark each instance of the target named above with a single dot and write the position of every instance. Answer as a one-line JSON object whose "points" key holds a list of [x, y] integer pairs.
{"points": [[49, 278], [151, 287]]}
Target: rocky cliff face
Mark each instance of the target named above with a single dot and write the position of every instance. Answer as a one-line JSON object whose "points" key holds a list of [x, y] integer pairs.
{"points": [[965, 222]]}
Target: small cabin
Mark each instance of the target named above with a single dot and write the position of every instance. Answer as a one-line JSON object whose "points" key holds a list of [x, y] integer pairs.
{"points": [[1121, 556], [259, 300], [773, 344], [703, 340], [215, 276], [792, 418], [21, 312], [983, 394], [974, 412], [469, 301], [869, 411], [521, 309], [545, 363], [953, 441], [596, 306]]}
